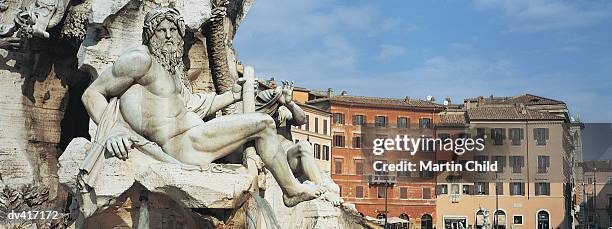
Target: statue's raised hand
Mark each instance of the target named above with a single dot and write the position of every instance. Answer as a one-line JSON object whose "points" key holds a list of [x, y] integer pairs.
{"points": [[287, 90], [237, 87]]}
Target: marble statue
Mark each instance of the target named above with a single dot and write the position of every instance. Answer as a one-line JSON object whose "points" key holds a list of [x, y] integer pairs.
{"points": [[279, 105], [148, 92]]}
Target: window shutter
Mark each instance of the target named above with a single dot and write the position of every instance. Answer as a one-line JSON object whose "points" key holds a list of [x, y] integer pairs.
{"points": [[503, 133], [522, 135], [546, 131], [535, 134], [365, 121], [492, 133]]}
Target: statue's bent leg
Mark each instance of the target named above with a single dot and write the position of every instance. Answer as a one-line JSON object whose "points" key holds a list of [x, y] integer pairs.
{"points": [[300, 156]]}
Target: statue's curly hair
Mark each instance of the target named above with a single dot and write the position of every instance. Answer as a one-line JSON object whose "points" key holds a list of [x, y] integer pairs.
{"points": [[156, 16]]}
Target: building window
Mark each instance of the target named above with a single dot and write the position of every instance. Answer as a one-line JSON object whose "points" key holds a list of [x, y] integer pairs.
{"points": [[402, 122], [426, 174], [442, 189], [325, 126], [339, 140], [498, 135], [455, 189], [359, 166], [403, 173], [542, 189], [338, 118], [481, 188], [381, 121], [481, 159], [426, 221], [382, 172], [338, 165], [316, 125], [501, 162], [589, 180], [426, 193], [340, 190], [480, 133], [359, 120], [467, 189], [517, 164], [381, 192], [403, 193], [307, 124], [357, 141], [609, 180], [425, 123], [443, 137], [499, 188], [326, 153], [543, 163], [517, 220], [540, 135], [516, 135], [317, 151], [359, 192], [517, 189]]}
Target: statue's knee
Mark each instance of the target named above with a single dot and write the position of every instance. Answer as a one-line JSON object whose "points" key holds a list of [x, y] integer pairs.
{"points": [[264, 120], [304, 147]]}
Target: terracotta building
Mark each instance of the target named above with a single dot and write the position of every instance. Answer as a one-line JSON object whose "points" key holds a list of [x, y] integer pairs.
{"points": [[529, 138], [357, 120]]}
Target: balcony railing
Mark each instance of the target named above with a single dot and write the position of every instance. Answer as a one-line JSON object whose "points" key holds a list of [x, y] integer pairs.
{"points": [[381, 179], [454, 198]]}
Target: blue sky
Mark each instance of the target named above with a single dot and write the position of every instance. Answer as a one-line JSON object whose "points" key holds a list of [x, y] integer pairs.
{"points": [[458, 49]]}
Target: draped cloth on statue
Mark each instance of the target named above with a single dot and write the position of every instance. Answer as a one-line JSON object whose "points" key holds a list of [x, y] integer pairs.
{"points": [[267, 101]]}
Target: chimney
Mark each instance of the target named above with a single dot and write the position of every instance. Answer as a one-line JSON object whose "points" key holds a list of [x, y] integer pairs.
{"points": [[522, 109], [447, 100], [330, 92]]}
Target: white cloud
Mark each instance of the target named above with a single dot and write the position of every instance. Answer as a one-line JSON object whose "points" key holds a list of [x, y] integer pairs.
{"points": [[388, 52], [540, 15]]}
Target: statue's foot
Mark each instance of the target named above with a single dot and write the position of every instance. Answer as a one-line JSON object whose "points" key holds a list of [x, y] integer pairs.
{"points": [[308, 191], [333, 198]]}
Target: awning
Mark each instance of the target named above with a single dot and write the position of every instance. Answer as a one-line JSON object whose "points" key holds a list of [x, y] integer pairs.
{"points": [[397, 220]]}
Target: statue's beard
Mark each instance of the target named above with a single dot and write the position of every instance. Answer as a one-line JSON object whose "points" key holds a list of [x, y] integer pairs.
{"points": [[170, 56]]}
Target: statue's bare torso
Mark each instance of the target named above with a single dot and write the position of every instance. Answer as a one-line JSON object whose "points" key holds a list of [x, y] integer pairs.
{"points": [[160, 113]]}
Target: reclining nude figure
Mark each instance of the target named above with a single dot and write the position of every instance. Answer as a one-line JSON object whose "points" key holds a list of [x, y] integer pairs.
{"points": [[278, 103], [156, 104]]}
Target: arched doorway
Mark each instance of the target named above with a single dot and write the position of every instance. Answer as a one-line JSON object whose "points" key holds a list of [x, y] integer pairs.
{"points": [[405, 216], [543, 219], [479, 219], [426, 222], [500, 217]]}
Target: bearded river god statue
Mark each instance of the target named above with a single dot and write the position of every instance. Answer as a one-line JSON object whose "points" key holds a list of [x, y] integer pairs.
{"points": [[151, 140]]}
